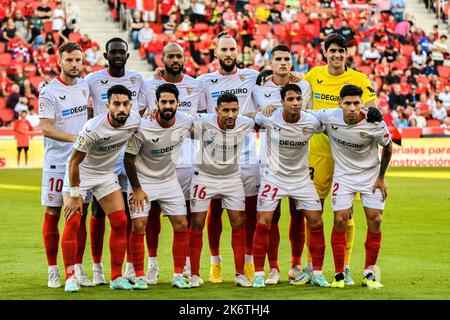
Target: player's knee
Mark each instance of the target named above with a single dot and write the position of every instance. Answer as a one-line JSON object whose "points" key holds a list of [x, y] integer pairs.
{"points": [[316, 222], [119, 222], [340, 221], [375, 221], [238, 222], [197, 223], [138, 226], [53, 211], [179, 224]]}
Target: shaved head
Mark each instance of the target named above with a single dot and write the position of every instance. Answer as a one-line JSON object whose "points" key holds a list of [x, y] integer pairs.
{"points": [[171, 46], [173, 59]]}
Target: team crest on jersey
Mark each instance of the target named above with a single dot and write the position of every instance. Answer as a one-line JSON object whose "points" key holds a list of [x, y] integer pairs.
{"points": [[81, 141], [363, 135], [41, 107], [193, 202], [306, 130], [84, 93], [261, 200], [133, 80], [189, 90], [51, 196], [242, 77]]}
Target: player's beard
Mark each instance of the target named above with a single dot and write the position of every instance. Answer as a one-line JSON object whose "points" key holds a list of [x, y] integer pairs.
{"points": [[174, 72], [72, 73], [120, 118], [164, 114], [226, 67]]}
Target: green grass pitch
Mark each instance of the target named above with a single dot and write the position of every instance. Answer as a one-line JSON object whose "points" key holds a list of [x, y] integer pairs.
{"points": [[414, 259]]}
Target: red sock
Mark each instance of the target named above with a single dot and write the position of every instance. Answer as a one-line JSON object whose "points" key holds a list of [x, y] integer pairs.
{"points": [[373, 245], [117, 241], [180, 249], [97, 233], [153, 230], [317, 247], [69, 243], [137, 252], [195, 250], [214, 224], [250, 222], [260, 245], [238, 239], [338, 244], [81, 240], [50, 233], [296, 234], [129, 258], [274, 240]]}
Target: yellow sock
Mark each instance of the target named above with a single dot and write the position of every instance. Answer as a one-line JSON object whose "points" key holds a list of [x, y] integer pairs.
{"points": [[350, 232]]}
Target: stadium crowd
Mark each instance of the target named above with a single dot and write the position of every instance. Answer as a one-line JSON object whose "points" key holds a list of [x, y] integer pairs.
{"points": [[405, 65]]}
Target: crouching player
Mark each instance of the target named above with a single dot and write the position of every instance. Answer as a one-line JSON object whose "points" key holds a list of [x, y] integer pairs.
{"points": [[150, 162], [91, 168], [357, 168], [287, 175]]}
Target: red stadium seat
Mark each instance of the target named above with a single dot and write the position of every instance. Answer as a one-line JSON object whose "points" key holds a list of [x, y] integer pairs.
{"points": [[200, 27], [407, 50], [297, 48], [34, 103], [433, 123], [30, 70], [5, 59], [365, 69], [74, 36], [302, 18], [264, 28], [47, 27], [411, 132], [156, 27], [2, 103], [7, 115], [443, 71], [2, 47], [35, 81], [279, 30]]}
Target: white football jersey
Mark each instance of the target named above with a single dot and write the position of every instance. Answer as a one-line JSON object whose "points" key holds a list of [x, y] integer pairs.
{"points": [[157, 149], [287, 149], [67, 107], [219, 151], [242, 84], [100, 81], [103, 143], [191, 97], [269, 93], [354, 147]]}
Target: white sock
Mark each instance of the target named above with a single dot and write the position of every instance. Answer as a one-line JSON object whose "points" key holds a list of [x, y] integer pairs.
{"points": [[53, 268], [97, 267], [78, 269], [259, 273], [346, 266], [188, 264], [153, 262], [216, 259], [309, 265], [367, 271], [317, 272], [129, 267], [248, 258]]}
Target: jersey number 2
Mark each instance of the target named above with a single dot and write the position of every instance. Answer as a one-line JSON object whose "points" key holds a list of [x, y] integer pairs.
{"points": [[267, 189]]}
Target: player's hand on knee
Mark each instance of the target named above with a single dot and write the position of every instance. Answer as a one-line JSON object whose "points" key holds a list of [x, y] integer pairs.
{"points": [[380, 184], [159, 73], [138, 199], [75, 205], [374, 115]]}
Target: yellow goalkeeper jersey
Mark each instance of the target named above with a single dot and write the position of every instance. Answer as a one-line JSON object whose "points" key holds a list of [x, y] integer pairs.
{"points": [[325, 95]]}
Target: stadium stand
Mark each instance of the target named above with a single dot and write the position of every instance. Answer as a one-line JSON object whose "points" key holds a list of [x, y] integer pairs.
{"points": [[385, 44]]}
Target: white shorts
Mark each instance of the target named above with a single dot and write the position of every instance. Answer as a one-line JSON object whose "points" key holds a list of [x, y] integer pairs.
{"points": [[52, 189], [119, 171], [251, 179], [345, 188], [167, 194], [66, 188], [99, 186], [205, 187], [274, 188], [184, 176]]}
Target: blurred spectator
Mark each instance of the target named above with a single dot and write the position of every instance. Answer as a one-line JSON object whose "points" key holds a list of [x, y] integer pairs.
{"points": [[402, 120], [439, 112], [445, 97], [387, 116], [43, 11], [426, 42], [389, 54], [393, 76], [149, 7], [5, 83], [166, 7], [186, 25], [446, 123], [22, 129], [268, 42], [413, 97], [396, 98], [170, 26], [33, 118], [417, 120], [93, 55], [22, 105], [136, 25], [419, 56], [58, 17], [10, 31], [288, 14], [423, 105], [146, 34], [364, 30], [398, 9], [302, 66], [371, 55], [439, 49], [85, 42], [275, 15]]}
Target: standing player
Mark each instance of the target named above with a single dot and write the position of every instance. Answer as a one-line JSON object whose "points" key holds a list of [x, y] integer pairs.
{"points": [[23, 128], [240, 82], [269, 94], [91, 168], [286, 174], [62, 112], [354, 144], [150, 162], [221, 136], [190, 97], [99, 83], [326, 82]]}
